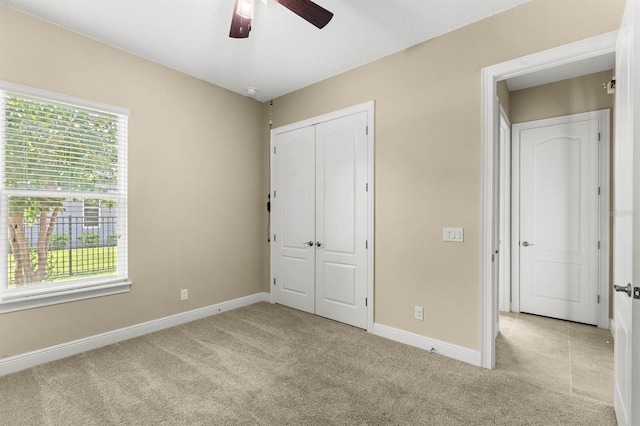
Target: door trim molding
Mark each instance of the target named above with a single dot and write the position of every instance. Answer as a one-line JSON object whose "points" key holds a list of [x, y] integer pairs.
{"points": [[369, 108], [604, 155], [583, 49], [505, 251]]}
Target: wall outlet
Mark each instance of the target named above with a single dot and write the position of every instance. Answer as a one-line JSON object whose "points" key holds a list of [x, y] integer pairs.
{"points": [[184, 294], [419, 313]]}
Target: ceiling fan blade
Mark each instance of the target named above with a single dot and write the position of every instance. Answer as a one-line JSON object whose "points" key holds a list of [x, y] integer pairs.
{"points": [[240, 26], [309, 11]]}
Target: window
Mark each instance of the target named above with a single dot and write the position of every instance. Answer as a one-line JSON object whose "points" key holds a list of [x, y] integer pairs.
{"points": [[62, 161], [91, 214]]}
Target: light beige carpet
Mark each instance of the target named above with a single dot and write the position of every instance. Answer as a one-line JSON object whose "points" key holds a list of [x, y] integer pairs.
{"points": [[270, 365]]}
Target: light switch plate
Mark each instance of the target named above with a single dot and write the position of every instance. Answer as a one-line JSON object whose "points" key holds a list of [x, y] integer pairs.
{"points": [[455, 235]]}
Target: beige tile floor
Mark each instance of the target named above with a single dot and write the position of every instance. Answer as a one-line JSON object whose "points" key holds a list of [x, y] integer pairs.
{"points": [[561, 355]]}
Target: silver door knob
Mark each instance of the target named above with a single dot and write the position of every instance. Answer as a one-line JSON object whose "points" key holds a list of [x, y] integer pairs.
{"points": [[309, 243], [527, 244], [626, 289], [318, 243]]}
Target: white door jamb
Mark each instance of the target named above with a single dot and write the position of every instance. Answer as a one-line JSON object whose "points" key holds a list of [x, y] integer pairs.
{"points": [[506, 252]]}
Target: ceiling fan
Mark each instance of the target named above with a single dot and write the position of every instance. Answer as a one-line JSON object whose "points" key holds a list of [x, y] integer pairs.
{"points": [[306, 9]]}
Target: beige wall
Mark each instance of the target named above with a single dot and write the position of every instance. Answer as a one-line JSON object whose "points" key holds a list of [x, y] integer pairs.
{"points": [[195, 182], [428, 155], [565, 97]]}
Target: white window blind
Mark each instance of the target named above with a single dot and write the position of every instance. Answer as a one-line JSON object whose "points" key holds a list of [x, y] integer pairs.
{"points": [[58, 156]]}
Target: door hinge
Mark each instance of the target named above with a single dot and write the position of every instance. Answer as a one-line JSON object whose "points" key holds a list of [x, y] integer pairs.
{"points": [[366, 301], [598, 190], [274, 281], [598, 245], [274, 149], [366, 186], [598, 137], [274, 194], [274, 238], [366, 244], [366, 130], [598, 298]]}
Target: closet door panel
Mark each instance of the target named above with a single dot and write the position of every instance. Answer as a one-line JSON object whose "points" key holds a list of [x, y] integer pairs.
{"points": [[293, 202], [341, 219]]}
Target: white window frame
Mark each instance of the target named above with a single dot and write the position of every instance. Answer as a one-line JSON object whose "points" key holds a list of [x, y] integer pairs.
{"points": [[49, 294]]}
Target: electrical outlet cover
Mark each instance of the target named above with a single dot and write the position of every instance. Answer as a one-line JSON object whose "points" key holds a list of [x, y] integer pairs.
{"points": [[455, 235], [419, 313]]}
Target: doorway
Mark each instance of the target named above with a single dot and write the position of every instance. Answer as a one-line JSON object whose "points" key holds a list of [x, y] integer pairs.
{"points": [[558, 354], [322, 216], [559, 57]]}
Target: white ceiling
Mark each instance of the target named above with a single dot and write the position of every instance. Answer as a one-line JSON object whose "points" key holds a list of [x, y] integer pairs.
{"points": [[563, 72], [283, 52]]}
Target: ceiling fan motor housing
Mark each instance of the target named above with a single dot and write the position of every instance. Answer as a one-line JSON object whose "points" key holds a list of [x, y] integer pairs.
{"points": [[306, 9]]}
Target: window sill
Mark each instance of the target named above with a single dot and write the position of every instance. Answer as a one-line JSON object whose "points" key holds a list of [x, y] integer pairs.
{"points": [[70, 295]]}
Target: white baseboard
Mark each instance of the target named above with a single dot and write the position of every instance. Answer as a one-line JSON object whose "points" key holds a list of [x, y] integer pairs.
{"points": [[31, 359], [443, 348]]}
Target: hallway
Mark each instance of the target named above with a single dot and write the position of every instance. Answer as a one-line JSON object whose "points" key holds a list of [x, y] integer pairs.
{"points": [[560, 355]]}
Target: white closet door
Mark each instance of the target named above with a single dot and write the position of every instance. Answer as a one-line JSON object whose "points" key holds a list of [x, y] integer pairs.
{"points": [[341, 219], [293, 222]]}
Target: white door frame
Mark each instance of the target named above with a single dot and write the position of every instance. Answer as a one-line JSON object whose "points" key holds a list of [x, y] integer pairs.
{"points": [[604, 155], [580, 50], [505, 253], [367, 107]]}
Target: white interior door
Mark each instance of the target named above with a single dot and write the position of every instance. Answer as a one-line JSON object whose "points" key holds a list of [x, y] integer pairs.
{"points": [[293, 196], [341, 220], [559, 223], [626, 237]]}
